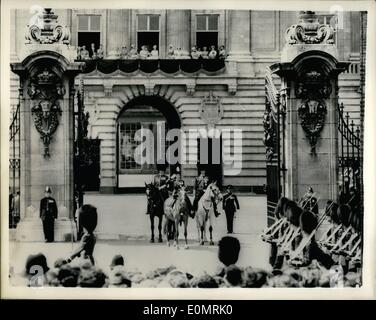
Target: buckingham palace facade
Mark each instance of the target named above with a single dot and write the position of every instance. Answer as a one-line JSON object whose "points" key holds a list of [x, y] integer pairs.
{"points": [[143, 72]]}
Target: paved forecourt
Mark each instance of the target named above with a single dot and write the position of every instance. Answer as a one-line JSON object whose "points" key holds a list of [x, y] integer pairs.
{"points": [[122, 220]]}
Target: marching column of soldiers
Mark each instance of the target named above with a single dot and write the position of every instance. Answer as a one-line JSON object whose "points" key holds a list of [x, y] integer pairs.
{"points": [[301, 235]]}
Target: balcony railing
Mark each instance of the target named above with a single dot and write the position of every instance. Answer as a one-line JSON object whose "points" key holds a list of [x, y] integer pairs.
{"points": [[149, 66]]}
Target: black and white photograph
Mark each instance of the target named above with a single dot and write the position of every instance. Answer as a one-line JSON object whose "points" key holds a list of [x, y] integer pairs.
{"points": [[203, 146]]}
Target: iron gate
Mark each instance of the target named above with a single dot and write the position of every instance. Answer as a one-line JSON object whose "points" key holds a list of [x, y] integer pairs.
{"points": [[350, 161], [14, 168], [86, 153], [272, 140]]}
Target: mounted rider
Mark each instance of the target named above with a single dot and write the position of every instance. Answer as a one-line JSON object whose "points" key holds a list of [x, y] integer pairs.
{"points": [[200, 185], [309, 202], [161, 182]]}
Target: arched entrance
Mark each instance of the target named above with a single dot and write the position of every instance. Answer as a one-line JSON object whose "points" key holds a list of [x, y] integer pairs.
{"points": [[157, 116]]}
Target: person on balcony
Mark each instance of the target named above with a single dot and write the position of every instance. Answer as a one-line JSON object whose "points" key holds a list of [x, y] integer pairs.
{"points": [[114, 54], [154, 54], [79, 53], [194, 53], [204, 53], [144, 52], [222, 52], [84, 53], [178, 54], [133, 52], [124, 53], [93, 51], [100, 52], [212, 53], [170, 52]]}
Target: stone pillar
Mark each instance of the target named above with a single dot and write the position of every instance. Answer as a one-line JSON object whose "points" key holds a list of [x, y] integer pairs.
{"points": [[47, 71], [178, 30], [239, 39], [118, 29], [309, 69]]}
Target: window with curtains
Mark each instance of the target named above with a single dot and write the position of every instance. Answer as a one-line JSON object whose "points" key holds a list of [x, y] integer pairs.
{"points": [[207, 30]]}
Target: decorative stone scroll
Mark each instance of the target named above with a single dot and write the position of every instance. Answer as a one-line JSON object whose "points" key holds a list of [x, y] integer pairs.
{"points": [[46, 30], [309, 30], [211, 110]]}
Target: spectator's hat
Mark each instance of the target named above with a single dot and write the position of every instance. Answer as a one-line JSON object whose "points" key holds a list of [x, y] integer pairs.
{"points": [[117, 277], [117, 260]]}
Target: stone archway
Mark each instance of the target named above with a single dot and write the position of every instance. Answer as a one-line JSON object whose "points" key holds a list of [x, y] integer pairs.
{"points": [[153, 113]]}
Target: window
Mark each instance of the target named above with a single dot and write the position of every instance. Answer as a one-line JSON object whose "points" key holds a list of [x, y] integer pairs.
{"points": [[147, 30], [128, 146], [89, 31], [207, 30], [130, 130]]}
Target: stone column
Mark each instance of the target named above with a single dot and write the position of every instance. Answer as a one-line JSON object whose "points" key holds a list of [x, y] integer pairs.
{"points": [[118, 29], [179, 30], [47, 73], [239, 39], [309, 69]]}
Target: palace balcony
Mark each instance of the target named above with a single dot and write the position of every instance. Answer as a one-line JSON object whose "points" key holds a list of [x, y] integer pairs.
{"points": [[168, 66]]}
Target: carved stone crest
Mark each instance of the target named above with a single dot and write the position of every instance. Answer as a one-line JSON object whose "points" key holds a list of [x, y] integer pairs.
{"points": [[211, 110], [45, 88], [46, 119], [312, 114]]}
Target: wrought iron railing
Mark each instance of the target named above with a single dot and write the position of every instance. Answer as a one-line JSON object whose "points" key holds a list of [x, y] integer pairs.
{"points": [[14, 168], [350, 159]]}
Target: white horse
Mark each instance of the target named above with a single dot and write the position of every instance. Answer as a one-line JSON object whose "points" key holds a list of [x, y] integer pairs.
{"points": [[177, 211], [205, 211]]}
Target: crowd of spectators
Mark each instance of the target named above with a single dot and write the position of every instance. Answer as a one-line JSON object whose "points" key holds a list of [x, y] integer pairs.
{"points": [[145, 52], [83, 272]]}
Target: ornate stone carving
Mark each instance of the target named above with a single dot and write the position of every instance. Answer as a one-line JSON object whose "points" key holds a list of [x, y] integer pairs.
{"points": [[309, 30], [312, 114], [46, 119], [190, 88], [45, 89], [149, 89], [313, 87], [46, 30], [211, 109]]}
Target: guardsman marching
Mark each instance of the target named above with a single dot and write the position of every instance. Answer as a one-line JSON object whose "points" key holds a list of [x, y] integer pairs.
{"points": [[48, 214], [200, 185], [230, 205]]}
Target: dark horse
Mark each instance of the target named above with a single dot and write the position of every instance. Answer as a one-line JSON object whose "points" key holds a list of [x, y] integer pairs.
{"points": [[154, 208]]}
